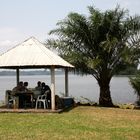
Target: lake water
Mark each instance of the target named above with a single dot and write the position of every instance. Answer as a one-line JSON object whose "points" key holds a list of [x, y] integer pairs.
{"points": [[86, 86]]}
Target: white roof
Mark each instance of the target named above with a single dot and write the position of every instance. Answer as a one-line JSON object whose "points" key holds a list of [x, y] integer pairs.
{"points": [[31, 54]]}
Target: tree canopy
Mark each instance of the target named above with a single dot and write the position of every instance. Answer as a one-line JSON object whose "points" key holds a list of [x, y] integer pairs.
{"points": [[99, 44]]}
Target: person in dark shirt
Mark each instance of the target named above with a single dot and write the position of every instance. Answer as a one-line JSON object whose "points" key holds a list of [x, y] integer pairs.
{"points": [[45, 88], [42, 88], [46, 91]]}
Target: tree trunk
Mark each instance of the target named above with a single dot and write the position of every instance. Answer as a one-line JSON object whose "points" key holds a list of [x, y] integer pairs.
{"points": [[105, 96]]}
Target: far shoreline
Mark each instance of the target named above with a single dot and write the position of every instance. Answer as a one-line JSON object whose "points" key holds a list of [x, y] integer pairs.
{"points": [[46, 72]]}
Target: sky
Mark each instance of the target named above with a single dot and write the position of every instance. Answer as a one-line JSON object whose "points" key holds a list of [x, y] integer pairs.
{"points": [[21, 19]]}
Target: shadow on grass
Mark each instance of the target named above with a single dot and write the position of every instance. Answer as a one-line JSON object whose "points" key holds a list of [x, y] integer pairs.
{"points": [[67, 109]]}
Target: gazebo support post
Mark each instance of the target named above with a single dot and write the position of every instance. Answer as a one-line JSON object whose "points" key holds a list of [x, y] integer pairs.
{"points": [[66, 83], [17, 73], [53, 88]]}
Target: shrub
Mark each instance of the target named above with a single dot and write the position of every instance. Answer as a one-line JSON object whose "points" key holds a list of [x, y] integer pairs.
{"points": [[135, 82]]}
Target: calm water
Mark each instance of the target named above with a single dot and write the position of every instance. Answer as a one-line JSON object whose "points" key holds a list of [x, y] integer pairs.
{"points": [[85, 86]]}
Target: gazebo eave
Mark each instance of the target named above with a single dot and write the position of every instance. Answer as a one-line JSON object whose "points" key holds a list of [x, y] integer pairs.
{"points": [[34, 67]]}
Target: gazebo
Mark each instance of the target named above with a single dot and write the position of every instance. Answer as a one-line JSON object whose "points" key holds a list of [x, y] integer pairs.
{"points": [[32, 54]]}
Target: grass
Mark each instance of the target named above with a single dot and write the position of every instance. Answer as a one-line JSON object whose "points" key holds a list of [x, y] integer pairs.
{"points": [[80, 123]]}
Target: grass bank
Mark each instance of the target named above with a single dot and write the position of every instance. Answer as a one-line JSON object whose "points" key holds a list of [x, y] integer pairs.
{"points": [[80, 123]]}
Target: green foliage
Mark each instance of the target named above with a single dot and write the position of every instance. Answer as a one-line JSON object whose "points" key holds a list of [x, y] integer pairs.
{"points": [[96, 42], [99, 44], [126, 106], [135, 82], [126, 70]]}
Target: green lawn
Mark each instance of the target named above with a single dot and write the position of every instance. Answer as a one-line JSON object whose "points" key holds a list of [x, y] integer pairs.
{"points": [[80, 123]]}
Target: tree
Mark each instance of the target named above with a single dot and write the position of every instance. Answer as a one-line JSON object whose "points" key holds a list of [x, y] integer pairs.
{"points": [[97, 44]]}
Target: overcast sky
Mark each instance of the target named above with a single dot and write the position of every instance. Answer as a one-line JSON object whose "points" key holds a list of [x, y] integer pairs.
{"points": [[21, 19]]}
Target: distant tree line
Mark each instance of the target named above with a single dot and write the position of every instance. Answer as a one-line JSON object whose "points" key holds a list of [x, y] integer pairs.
{"points": [[36, 72]]}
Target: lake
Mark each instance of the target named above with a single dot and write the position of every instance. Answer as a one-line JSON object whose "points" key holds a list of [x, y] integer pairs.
{"points": [[86, 86]]}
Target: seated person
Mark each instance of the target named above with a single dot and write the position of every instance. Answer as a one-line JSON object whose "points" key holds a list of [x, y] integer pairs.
{"points": [[45, 88], [25, 88], [18, 88], [26, 99], [48, 94], [42, 88], [38, 87], [25, 84], [47, 91]]}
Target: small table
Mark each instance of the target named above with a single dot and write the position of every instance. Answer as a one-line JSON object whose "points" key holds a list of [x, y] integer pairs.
{"points": [[21, 98]]}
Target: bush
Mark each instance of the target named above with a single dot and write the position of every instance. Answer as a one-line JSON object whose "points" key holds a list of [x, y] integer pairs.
{"points": [[135, 82], [127, 106]]}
